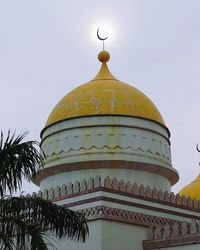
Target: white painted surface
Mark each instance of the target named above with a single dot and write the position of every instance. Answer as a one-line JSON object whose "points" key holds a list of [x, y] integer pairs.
{"points": [[105, 120], [108, 138], [140, 177], [109, 235], [139, 142], [103, 138], [167, 213]]}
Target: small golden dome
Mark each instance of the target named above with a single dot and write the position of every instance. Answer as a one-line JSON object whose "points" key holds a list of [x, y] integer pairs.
{"points": [[192, 190], [104, 95], [103, 56]]}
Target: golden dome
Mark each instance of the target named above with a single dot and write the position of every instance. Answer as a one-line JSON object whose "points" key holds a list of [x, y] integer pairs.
{"points": [[104, 95], [192, 190]]}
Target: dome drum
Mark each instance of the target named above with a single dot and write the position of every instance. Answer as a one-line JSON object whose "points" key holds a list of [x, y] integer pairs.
{"points": [[107, 142]]}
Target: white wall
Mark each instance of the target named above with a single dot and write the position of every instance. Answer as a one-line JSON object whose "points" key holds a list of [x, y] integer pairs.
{"points": [[108, 235]]}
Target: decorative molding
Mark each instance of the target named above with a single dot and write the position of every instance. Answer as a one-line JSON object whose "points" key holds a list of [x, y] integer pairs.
{"points": [[174, 234], [120, 187], [121, 215], [106, 120], [168, 173], [131, 204], [67, 143], [178, 229]]}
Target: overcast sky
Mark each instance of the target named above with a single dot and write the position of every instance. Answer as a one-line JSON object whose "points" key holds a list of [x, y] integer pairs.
{"points": [[47, 47]]}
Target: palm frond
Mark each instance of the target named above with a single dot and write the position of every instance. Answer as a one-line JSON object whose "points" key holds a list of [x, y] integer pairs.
{"points": [[29, 219], [18, 160], [18, 214], [37, 239], [6, 243]]}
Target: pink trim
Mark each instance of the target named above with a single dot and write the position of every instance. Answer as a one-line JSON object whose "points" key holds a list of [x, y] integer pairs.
{"points": [[125, 216], [121, 187]]}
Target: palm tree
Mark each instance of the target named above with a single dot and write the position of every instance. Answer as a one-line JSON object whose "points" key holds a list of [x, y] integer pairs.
{"points": [[28, 222]]}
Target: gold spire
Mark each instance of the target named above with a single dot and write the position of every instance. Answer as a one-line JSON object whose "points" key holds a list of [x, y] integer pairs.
{"points": [[104, 72]]}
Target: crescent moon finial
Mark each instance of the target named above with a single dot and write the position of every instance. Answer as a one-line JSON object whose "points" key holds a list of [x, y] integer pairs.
{"points": [[101, 38]]}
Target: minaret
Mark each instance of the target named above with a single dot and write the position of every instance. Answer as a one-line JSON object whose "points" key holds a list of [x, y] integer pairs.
{"points": [[105, 135]]}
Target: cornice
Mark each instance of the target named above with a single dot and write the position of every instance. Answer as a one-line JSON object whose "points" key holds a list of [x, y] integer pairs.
{"points": [[125, 216], [174, 234], [80, 188]]}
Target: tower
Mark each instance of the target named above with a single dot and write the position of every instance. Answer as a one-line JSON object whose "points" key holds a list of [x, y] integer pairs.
{"points": [[108, 155]]}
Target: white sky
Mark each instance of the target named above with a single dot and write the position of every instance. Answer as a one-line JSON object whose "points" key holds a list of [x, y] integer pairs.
{"points": [[46, 49]]}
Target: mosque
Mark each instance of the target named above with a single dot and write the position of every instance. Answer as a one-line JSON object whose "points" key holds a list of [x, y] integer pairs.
{"points": [[108, 155]]}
